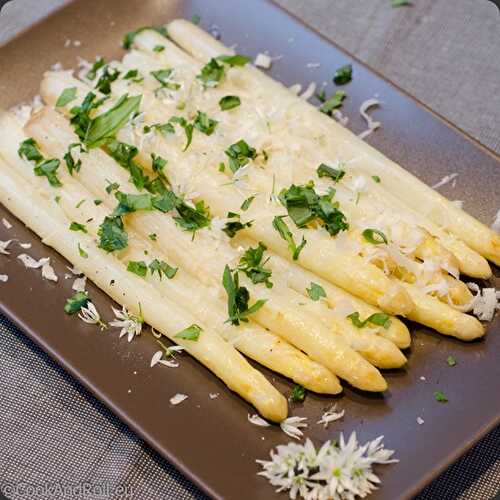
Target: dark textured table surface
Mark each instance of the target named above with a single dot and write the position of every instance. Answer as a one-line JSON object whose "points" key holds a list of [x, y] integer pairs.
{"points": [[443, 52]]}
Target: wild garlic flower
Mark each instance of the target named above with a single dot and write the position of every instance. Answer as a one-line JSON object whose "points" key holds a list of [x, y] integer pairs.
{"points": [[291, 426], [330, 416], [89, 314], [257, 420], [130, 324], [339, 471]]}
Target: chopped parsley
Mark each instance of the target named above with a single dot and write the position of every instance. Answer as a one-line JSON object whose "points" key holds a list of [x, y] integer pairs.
{"points": [[238, 298], [112, 186], [163, 77], [304, 206], [334, 173], [343, 75], [124, 154], [451, 361], [298, 394], [246, 204], [112, 235], [229, 102], [378, 319], [190, 333], [97, 202], [133, 75], [137, 267], [236, 60], [374, 236], [333, 103], [188, 128], [162, 268], [240, 153], [222, 167], [100, 63], [108, 76], [213, 72], [82, 252], [316, 291], [71, 164], [251, 264], [401, 3], [192, 219], [196, 19], [76, 226], [280, 225], [80, 115], [75, 303], [67, 95], [129, 38], [80, 203], [28, 149], [440, 397], [376, 178], [204, 124], [159, 48], [153, 236], [234, 225]]}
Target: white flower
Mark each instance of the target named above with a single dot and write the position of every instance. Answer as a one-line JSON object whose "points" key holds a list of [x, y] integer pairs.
{"points": [[26, 246], [157, 358], [89, 314], [330, 416], [292, 425], [130, 325], [256, 420], [79, 284], [340, 471], [4, 245], [178, 398]]}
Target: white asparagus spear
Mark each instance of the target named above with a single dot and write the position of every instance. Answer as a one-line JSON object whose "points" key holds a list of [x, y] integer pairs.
{"points": [[129, 291], [469, 261], [320, 255], [404, 185], [301, 330]]}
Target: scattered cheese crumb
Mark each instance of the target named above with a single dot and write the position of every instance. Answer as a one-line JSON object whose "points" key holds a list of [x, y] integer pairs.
{"points": [[313, 65], [213, 395], [445, 180], [263, 61], [256, 420], [485, 302], [79, 284], [26, 246], [423, 378], [420, 421], [4, 278], [6, 223], [4, 245], [178, 398], [372, 124]]}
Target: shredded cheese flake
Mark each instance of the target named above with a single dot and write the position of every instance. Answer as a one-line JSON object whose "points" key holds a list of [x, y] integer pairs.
{"points": [[4, 278], [263, 61], [4, 245], [6, 223], [372, 124], [178, 398], [445, 180]]}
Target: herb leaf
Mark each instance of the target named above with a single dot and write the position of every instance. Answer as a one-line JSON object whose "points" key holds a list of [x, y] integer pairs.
{"points": [[251, 264], [240, 153], [204, 124], [236, 60], [229, 102], [71, 164], [376, 178], [112, 235], [190, 333], [298, 394], [162, 268], [343, 75], [451, 361], [333, 103], [334, 173], [246, 204], [163, 76], [379, 319], [124, 154], [95, 68], [82, 252], [400, 3], [129, 38], [188, 128], [67, 95], [280, 225], [48, 168], [137, 267], [76, 226], [374, 236], [440, 397], [75, 303], [233, 226], [316, 291], [108, 76], [28, 149]]}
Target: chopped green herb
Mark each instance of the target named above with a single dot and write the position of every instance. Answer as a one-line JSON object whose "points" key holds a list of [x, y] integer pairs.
{"points": [[334, 173], [246, 204], [304, 206], [321, 95], [157, 163], [28, 149], [251, 264], [240, 153], [196, 19], [108, 76], [129, 38], [67, 95], [75, 303], [188, 129], [192, 219], [376, 178], [48, 169], [97, 202], [162, 268], [298, 394], [280, 225], [238, 298], [204, 124], [95, 68], [57, 199], [333, 103], [124, 154], [163, 76], [222, 167], [104, 126], [159, 48], [316, 291], [80, 115], [343, 75], [76, 226], [80, 203], [82, 252], [211, 74], [190, 333], [451, 361], [112, 235], [133, 75], [374, 236], [71, 164], [229, 102], [137, 267], [112, 186], [439, 396], [236, 60], [379, 319], [235, 225], [401, 3]]}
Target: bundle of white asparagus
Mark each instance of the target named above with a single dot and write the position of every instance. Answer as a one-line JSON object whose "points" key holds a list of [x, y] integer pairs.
{"points": [[295, 242]]}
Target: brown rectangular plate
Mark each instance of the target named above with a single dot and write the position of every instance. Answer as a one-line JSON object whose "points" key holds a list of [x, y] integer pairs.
{"points": [[211, 441]]}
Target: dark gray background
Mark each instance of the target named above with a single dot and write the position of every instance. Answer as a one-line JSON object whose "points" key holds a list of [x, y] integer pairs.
{"points": [[443, 52]]}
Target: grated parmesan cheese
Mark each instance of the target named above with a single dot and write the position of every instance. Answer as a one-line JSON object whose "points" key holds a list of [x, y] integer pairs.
{"points": [[445, 180], [4, 278], [79, 284], [372, 124], [6, 223], [178, 398], [263, 61], [26, 246], [485, 302]]}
